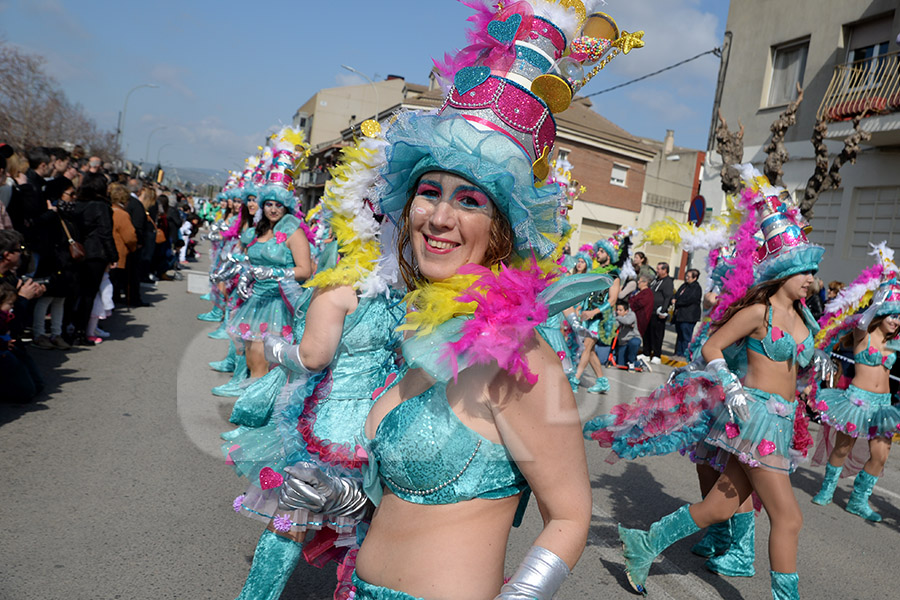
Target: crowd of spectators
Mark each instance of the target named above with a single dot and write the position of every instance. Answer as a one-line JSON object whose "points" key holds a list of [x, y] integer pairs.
{"points": [[77, 241]]}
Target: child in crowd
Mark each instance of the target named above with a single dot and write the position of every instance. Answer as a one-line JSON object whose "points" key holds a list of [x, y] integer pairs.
{"points": [[629, 338]]}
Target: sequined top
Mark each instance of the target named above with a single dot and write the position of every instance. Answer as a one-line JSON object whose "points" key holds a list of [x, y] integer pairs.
{"points": [[873, 357], [272, 253], [780, 347], [426, 455]]}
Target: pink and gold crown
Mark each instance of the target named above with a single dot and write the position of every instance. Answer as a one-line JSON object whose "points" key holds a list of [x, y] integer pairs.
{"points": [[521, 68], [785, 249]]}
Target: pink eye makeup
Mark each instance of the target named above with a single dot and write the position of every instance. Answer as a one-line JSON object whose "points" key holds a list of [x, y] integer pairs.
{"points": [[429, 188], [471, 197]]}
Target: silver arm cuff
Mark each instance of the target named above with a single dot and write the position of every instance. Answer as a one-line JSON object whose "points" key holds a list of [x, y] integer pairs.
{"points": [[539, 577]]}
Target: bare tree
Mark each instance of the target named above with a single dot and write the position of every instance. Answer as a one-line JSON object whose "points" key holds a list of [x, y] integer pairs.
{"points": [[825, 178], [731, 148], [775, 150], [34, 111]]}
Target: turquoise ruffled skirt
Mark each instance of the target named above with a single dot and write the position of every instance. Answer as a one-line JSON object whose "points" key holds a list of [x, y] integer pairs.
{"points": [[764, 440], [859, 413], [264, 313]]}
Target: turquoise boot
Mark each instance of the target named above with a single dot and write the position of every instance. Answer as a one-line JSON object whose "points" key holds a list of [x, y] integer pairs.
{"points": [[235, 386], [214, 316], [207, 296], [859, 499], [254, 407], [574, 382], [600, 387], [273, 562], [227, 364], [716, 540], [641, 547], [823, 498], [738, 559], [220, 333], [785, 586]]}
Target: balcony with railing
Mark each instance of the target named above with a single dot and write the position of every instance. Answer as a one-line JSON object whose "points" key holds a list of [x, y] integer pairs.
{"points": [[865, 88]]}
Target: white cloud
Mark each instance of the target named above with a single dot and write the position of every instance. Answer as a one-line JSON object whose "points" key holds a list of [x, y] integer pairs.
{"points": [[173, 77], [345, 79]]}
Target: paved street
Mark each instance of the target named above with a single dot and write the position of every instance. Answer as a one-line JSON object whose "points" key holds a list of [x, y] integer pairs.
{"points": [[114, 487]]}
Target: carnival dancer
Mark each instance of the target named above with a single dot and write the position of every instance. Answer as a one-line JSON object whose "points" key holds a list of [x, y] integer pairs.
{"points": [[217, 313], [598, 317], [863, 410], [752, 438], [453, 444], [349, 328], [277, 254]]}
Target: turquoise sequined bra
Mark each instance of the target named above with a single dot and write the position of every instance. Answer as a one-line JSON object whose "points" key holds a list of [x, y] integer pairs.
{"points": [[873, 357], [426, 455], [781, 347]]}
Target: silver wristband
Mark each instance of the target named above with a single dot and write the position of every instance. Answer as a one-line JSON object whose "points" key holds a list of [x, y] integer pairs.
{"points": [[539, 577]]}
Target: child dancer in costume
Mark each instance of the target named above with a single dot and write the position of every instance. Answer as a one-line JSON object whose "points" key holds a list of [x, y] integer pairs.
{"points": [[864, 408], [598, 316], [349, 326], [456, 441], [751, 439]]}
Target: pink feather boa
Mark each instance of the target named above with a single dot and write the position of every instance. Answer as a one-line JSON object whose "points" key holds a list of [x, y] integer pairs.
{"points": [[233, 231], [507, 314], [872, 273], [740, 278]]}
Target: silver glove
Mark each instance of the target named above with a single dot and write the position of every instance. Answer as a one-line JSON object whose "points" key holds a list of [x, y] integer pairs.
{"points": [[698, 365], [735, 396], [283, 353], [539, 577], [244, 288], [877, 300], [307, 487], [229, 268], [260, 272], [823, 365]]}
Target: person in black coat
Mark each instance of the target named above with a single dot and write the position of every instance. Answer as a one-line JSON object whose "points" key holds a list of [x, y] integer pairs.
{"points": [[663, 289], [687, 311], [133, 266], [93, 216]]}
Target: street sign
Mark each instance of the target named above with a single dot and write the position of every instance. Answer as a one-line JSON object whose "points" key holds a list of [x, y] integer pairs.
{"points": [[697, 211]]}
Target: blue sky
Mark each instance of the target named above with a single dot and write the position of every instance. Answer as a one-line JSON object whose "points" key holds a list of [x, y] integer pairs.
{"points": [[229, 71]]}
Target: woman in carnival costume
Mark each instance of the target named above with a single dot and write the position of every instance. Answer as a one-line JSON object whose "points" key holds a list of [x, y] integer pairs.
{"points": [[349, 328], [598, 317], [751, 438], [863, 410], [278, 256], [217, 313], [454, 443], [236, 235], [245, 209]]}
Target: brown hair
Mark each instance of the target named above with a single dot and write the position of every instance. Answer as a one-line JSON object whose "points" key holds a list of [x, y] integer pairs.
{"points": [[847, 338], [758, 294], [500, 246], [118, 193]]}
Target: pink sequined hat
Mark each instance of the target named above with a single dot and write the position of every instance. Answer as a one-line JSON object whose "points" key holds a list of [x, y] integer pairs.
{"points": [[785, 250]]}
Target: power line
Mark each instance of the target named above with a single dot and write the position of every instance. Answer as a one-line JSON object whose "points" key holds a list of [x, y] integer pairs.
{"points": [[716, 51]]}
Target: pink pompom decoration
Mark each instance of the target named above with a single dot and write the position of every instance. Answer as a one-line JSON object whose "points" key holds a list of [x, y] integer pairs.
{"points": [[236, 505], [732, 430], [766, 447], [282, 523], [244, 328], [821, 406], [286, 331], [280, 237], [263, 327]]}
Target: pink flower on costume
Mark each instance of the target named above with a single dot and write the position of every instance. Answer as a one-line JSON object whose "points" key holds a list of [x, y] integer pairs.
{"points": [[244, 328], [236, 505], [821, 405], [263, 327], [732, 430], [851, 427], [801, 347], [777, 334], [286, 331], [280, 237], [561, 355], [766, 447]]}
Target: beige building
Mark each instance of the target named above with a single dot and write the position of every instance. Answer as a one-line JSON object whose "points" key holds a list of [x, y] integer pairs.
{"points": [[844, 53]]}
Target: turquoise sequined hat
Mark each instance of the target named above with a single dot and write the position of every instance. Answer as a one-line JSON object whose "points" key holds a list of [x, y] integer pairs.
{"points": [[785, 250], [611, 248]]}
